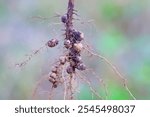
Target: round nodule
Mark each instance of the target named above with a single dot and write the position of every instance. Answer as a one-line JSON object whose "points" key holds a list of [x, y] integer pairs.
{"points": [[67, 44], [77, 58], [52, 43], [69, 70], [64, 18], [78, 47], [55, 85], [79, 36]]}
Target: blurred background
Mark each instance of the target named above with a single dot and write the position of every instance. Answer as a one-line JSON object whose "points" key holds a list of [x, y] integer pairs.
{"points": [[117, 29]]}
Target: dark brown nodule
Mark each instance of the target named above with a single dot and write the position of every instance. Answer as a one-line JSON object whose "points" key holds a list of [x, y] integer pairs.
{"points": [[78, 36], [64, 18], [77, 58], [69, 70], [55, 85], [52, 43]]}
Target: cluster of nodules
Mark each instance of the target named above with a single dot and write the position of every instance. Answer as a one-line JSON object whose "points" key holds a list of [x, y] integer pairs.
{"points": [[74, 47], [55, 74], [73, 44]]}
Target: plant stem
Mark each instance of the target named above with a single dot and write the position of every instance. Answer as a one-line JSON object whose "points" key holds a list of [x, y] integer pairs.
{"points": [[69, 24]]}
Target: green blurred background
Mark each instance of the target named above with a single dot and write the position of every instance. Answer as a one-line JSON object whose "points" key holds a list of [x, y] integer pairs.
{"points": [[120, 31]]}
